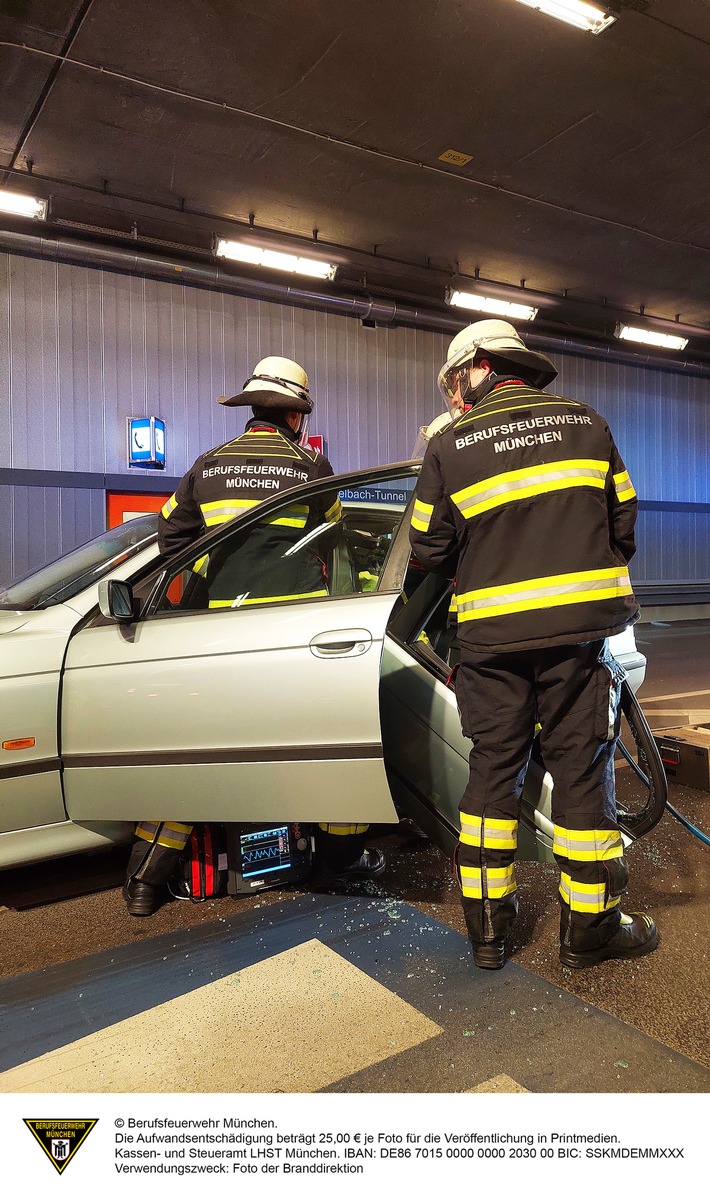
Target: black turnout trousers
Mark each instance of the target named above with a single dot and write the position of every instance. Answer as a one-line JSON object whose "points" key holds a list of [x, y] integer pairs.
{"points": [[573, 691]]}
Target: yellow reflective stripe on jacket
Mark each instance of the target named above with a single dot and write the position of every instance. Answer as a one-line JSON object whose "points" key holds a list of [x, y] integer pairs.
{"points": [[499, 882], [170, 834], [586, 899], [625, 490], [169, 506], [530, 482], [421, 515], [544, 592], [199, 567], [335, 513], [587, 845], [341, 828], [216, 512], [521, 403], [295, 516], [256, 441], [239, 601], [498, 833]]}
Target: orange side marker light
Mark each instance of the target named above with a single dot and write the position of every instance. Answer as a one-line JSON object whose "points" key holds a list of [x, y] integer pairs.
{"points": [[17, 744]]}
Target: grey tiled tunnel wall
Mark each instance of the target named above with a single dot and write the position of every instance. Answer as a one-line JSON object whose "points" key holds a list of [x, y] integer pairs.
{"points": [[83, 349]]}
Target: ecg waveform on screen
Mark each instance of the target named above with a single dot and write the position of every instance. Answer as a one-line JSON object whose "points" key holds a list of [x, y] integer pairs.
{"points": [[265, 851]]}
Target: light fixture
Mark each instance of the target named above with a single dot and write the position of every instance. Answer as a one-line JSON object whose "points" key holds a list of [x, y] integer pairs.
{"points": [[672, 342], [487, 304], [245, 252], [23, 206], [591, 17]]}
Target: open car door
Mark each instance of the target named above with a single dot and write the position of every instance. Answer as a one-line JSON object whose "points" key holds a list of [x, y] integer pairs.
{"points": [[266, 707]]}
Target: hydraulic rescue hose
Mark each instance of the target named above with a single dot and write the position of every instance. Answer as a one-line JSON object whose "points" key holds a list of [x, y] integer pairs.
{"points": [[650, 772]]}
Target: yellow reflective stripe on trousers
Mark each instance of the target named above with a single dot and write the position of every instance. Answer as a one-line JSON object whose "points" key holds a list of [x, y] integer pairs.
{"points": [[586, 899], [530, 482], [341, 828], [172, 834], [500, 882], [625, 490], [421, 515], [169, 506], [499, 834], [239, 601], [544, 592], [587, 845]]}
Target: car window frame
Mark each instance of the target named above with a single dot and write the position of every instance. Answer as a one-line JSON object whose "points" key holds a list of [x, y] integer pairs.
{"points": [[410, 620], [183, 560]]}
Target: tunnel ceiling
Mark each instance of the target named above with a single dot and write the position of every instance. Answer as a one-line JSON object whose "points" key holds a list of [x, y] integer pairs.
{"points": [[588, 157]]}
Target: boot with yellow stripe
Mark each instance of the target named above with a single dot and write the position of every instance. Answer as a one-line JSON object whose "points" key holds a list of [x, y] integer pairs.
{"points": [[636, 935]]}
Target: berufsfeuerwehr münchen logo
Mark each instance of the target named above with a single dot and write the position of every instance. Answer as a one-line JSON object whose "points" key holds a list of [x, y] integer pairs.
{"points": [[60, 1138]]}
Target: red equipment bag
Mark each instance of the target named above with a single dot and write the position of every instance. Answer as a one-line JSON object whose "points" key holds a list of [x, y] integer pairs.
{"points": [[203, 869]]}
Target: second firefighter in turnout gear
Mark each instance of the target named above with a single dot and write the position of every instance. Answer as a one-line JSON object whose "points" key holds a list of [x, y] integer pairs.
{"points": [[267, 459], [524, 500]]}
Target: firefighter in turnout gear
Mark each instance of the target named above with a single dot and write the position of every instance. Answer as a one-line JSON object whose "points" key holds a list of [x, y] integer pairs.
{"points": [[268, 458], [525, 502]]}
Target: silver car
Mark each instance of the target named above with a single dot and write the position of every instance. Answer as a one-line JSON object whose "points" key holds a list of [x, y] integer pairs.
{"points": [[125, 693]]}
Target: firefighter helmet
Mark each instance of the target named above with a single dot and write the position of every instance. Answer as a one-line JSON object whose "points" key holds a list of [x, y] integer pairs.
{"points": [[504, 344], [276, 383], [426, 433]]}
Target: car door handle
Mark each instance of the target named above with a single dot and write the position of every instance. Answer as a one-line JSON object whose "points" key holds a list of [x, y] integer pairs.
{"points": [[334, 644]]}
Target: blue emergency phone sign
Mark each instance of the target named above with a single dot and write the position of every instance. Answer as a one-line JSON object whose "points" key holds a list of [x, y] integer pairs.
{"points": [[146, 442]]}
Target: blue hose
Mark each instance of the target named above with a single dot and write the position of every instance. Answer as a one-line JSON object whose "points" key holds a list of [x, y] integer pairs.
{"points": [[694, 830]]}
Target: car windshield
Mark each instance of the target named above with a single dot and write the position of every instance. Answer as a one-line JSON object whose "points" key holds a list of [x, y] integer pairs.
{"points": [[64, 578]]}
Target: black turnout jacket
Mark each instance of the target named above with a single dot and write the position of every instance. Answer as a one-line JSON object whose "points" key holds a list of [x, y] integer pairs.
{"points": [[526, 503], [227, 482]]}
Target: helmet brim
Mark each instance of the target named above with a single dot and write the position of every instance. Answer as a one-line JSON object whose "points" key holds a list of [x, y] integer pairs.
{"points": [[263, 399], [536, 367]]}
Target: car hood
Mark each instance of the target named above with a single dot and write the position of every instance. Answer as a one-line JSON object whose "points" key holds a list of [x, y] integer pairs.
{"points": [[12, 620]]}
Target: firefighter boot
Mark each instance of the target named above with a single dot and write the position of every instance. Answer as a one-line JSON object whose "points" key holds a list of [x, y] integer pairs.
{"points": [[490, 954], [342, 862], [488, 925], [150, 866], [635, 936], [370, 864]]}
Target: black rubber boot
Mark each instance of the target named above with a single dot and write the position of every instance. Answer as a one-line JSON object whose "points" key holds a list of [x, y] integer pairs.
{"points": [[348, 878], [635, 936], [371, 864], [150, 867], [141, 899], [489, 955]]}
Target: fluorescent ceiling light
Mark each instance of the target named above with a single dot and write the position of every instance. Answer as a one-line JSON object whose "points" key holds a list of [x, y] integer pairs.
{"points": [[487, 304], [672, 342], [590, 17], [23, 206], [243, 252]]}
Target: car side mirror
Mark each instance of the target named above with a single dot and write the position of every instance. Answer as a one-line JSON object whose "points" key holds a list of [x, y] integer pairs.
{"points": [[116, 601]]}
